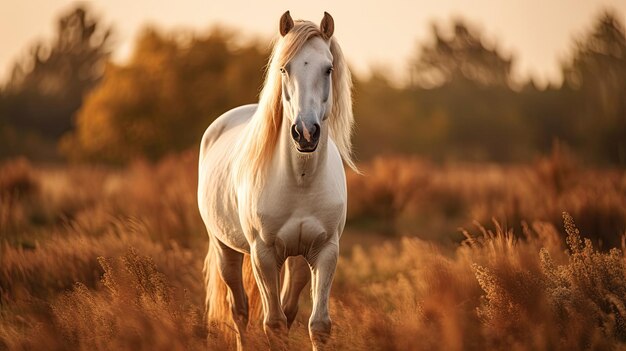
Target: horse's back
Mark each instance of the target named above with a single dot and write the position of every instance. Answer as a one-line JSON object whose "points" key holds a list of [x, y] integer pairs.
{"points": [[224, 123]]}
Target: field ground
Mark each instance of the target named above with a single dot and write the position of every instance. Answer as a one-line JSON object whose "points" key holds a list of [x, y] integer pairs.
{"points": [[94, 258]]}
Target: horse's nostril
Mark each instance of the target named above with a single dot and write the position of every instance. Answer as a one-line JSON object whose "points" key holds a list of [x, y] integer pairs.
{"points": [[316, 131], [294, 133]]}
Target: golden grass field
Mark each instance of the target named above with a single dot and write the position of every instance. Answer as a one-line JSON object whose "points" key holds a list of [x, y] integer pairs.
{"points": [[95, 258]]}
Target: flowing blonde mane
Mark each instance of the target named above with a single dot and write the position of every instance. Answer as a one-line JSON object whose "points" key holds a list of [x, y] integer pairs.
{"points": [[261, 134]]}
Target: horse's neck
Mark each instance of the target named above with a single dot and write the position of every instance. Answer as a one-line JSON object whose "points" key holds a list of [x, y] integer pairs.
{"points": [[298, 167]]}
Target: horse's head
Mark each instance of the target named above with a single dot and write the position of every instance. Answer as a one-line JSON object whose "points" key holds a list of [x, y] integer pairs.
{"points": [[307, 85]]}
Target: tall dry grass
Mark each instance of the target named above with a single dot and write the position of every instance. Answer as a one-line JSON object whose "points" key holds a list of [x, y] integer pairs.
{"points": [[414, 196], [98, 259]]}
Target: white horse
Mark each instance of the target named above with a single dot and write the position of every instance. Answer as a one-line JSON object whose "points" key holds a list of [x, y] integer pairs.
{"points": [[272, 186]]}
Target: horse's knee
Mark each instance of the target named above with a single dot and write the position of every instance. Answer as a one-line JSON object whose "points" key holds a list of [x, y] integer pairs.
{"points": [[320, 330], [275, 325], [276, 332]]}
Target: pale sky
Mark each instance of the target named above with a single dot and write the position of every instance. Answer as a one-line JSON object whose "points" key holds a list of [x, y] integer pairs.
{"points": [[383, 34]]}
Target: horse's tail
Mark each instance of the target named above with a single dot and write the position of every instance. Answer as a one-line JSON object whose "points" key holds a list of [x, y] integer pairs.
{"points": [[217, 309]]}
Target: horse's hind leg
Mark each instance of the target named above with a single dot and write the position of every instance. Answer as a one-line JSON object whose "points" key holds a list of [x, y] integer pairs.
{"points": [[229, 263], [297, 275]]}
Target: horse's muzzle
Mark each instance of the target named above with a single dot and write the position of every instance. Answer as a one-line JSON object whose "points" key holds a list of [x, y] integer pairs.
{"points": [[305, 137]]}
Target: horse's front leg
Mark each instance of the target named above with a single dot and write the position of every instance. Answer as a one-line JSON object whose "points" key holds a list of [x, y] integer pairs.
{"points": [[323, 262], [266, 269]]}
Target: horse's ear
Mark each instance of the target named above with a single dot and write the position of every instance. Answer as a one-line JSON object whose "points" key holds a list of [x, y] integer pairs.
{"points": [[286, 23], [327, 26]]}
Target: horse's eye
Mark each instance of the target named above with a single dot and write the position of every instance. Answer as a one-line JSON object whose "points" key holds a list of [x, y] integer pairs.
{"points": [[282, 70], [329, 71]]}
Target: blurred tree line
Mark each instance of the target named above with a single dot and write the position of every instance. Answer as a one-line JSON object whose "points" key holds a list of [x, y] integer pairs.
{"points": [[165, 97], [47, 85], [461, 102]]}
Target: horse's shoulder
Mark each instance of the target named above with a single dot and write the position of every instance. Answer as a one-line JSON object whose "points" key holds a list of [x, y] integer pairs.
{"points": [[225, 122]]}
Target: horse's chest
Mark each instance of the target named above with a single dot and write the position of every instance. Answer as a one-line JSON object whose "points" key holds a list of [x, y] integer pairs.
{"points": [[294, 223]]}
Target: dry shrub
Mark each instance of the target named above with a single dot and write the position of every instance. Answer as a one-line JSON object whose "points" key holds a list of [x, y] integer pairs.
{"points": [[61, 194], [407, 297], [385, 186], [55, 265], [558, 169], [18, 178], [496, 291], [78, 285], [18, 182], [138, 301], [137, 310], [163, 195], [544, 305], [408, 196], [87, 212]]}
